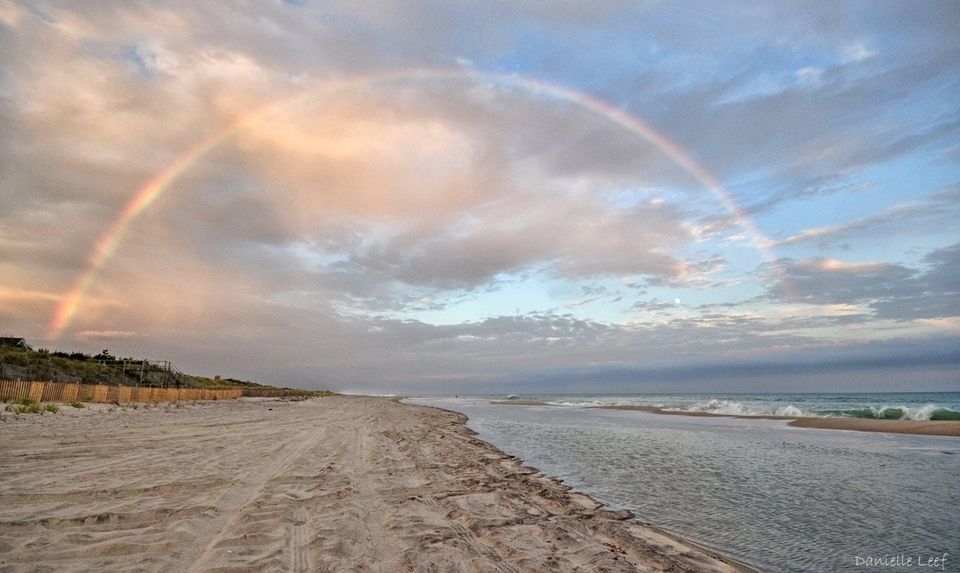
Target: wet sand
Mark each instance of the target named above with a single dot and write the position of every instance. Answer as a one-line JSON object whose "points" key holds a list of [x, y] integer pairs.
{"points": [[332, 484], [929, 428]]}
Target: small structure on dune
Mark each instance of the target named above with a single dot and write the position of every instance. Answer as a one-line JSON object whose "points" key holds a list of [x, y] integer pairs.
{"points": [[14, 342]]}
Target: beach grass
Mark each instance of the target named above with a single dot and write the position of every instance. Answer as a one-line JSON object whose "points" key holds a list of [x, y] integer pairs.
{"points": [[26, 406]]}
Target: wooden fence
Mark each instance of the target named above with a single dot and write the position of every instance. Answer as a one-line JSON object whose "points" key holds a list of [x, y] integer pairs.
{"points": [[67, 392]]}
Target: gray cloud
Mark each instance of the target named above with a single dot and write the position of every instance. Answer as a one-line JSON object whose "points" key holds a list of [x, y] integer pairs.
{"points": [[829, 281], [892, 292], [933, 294], [930, 363]]}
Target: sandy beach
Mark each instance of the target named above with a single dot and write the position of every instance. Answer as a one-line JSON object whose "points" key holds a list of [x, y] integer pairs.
{"points": [[333, 484]]}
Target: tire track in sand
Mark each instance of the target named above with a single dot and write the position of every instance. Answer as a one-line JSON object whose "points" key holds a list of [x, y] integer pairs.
{"points": [[296, 446], [299, 556]]}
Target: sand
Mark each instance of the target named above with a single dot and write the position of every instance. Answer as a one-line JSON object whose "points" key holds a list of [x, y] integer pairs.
{"points": [[332, 484], [929, 428]]}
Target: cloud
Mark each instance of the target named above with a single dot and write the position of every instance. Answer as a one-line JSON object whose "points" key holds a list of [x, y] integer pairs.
{"points": [[809, 188], [808, 124], [928, 363], [105, 334], [407, 195], [890, 291], [374, 191], [935, 294], [830, 281], [383, 235], [926, 215]]}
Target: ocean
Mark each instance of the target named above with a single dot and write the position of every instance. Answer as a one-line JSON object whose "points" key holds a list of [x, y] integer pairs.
{"points": [[775, 497]]}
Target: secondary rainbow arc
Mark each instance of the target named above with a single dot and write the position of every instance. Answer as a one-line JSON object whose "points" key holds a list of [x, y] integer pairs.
{"points": [[147, 195]]}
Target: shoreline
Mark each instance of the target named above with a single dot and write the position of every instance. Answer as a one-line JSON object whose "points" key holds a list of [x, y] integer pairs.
{"points": [[336, 483], [950, 428], [623, 514]]}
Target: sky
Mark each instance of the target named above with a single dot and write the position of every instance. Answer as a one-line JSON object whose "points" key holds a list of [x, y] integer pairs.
{"points": [[445, 197]]}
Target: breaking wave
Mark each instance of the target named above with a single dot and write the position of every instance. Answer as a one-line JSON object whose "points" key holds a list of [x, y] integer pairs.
{"points": [[737, 408], [928, 412], [731, 408]]}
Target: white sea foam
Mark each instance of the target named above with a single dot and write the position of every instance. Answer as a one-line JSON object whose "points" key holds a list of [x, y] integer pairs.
{"points": [[791, 411], [579, 403], [601, 402], [731, 408], [905, 412], [920, 413]]}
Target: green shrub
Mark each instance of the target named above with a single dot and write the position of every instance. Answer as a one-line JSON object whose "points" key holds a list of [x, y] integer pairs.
{"points": [[25, 407], [77, 404], [51, 408]]}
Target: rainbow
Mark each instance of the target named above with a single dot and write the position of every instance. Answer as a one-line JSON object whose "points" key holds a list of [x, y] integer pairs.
{"points": [[146, 196]]}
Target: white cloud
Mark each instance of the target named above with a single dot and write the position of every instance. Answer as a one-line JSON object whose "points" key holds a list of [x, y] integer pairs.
{"points": [[855, 53], [811, 77]]}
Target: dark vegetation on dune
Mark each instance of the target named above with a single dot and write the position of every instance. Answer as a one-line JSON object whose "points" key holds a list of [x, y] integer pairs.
{"points": [[105, 368]]}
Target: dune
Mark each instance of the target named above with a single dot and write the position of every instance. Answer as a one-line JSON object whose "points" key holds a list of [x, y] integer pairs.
{"points": [[332, 484]]}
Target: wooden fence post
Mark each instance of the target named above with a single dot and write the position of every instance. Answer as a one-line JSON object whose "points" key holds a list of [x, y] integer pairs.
{"points": [[71, 392], [100, 393], [36, 391]]}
